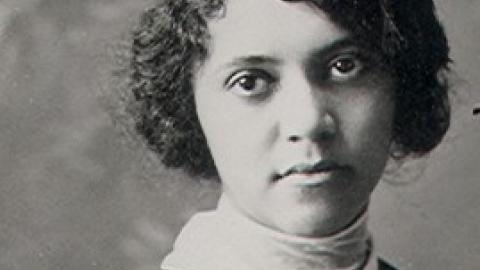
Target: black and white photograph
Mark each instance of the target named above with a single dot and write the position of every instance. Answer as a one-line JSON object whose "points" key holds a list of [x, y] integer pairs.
{"points": [[239, 134]]}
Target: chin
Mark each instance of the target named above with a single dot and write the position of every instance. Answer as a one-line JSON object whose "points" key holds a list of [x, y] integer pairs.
{"points": [[312, 218], [302, 219], [305, 226]]}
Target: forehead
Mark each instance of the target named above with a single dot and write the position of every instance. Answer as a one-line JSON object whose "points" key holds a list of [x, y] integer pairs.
{"points": [[272, 28]]}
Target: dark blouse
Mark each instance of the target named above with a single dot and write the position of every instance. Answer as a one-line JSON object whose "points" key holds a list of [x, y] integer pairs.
{"points": [[382, 265]]}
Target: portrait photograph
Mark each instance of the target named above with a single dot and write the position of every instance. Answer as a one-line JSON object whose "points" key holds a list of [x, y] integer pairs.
{"points": [[240, 134]]}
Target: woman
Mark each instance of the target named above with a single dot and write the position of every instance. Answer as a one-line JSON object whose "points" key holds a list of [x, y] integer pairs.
{"points": [[295, 106]]}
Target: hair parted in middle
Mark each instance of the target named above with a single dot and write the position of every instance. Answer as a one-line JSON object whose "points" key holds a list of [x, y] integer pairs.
{"points": [[172, 41]]}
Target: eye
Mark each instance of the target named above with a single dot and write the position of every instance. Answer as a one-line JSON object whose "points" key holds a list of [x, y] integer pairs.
{"points": [[250, 82], [345, 67]]}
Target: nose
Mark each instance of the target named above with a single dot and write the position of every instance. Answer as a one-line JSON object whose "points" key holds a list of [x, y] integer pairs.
{"points": [[318, 131], [307, 114]]}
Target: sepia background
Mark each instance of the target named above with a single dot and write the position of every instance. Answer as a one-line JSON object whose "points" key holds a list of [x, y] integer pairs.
{"points": [[75, 193]]}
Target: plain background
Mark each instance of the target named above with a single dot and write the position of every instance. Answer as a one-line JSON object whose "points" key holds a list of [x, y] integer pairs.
{"points": [[75, 194]]}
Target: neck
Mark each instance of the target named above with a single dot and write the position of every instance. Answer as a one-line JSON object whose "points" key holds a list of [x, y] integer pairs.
{"points": [[233, 241], [346, 249]]}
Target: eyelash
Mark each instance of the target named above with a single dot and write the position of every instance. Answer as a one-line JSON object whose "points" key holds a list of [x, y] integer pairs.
{"points": [[236, 78], [333, 74], [359, 64]]}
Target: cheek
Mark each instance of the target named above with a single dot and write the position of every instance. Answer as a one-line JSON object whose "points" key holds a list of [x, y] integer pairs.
{"points": [[236, 134], [368, 132], [368, 117]]}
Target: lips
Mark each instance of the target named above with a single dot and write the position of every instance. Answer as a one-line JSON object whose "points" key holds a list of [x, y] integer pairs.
{"points": [[322, 166]]}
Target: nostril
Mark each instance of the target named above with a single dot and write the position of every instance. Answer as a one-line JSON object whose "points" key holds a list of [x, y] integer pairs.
{"points": [[294, 138], [325, 135]]}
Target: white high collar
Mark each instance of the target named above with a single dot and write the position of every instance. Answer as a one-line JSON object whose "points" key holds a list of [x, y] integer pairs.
{"points": [[226, 239]]}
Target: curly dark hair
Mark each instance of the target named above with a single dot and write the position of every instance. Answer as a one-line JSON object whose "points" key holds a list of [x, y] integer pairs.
{"points": [[172, 40]]}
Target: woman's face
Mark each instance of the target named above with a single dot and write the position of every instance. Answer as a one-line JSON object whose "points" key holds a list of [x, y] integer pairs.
{"points": [[297, 115]]}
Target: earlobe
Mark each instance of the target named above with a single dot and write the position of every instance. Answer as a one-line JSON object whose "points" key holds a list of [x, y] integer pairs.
{"points": [[397, 151]]}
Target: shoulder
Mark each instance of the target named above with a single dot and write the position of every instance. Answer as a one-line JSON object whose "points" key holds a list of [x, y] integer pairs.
{"points": [[383, 265]]}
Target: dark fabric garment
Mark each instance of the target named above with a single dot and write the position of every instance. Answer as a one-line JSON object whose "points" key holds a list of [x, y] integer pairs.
{"points": [[382, 265]]}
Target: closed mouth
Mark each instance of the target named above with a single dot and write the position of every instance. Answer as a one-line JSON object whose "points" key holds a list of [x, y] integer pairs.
{"points": [[322, 166]]}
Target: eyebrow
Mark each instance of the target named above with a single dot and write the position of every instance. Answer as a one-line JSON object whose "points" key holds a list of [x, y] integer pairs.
{"points": [[253, 60], [335, 45], [319, 55]]}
